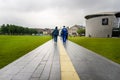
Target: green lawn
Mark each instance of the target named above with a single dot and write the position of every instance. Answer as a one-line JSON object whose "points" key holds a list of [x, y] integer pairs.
{"points": [[107, 47], [13, 47]]}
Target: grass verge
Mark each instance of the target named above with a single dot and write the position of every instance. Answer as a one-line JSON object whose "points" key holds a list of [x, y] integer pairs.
{"points": [[107, 47], [13, 47]]}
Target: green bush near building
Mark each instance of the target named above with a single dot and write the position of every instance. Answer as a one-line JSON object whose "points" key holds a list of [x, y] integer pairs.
{"points": [[13, 47], [107, 47]]}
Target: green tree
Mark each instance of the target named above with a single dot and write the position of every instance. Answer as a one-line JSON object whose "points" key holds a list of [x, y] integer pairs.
{"points": [[13, 29], [81, 31], [32, 31], [4, 29]]}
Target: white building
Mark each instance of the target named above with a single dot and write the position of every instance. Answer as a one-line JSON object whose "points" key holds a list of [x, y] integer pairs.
{"points": [[73, 30], [101, 25]]}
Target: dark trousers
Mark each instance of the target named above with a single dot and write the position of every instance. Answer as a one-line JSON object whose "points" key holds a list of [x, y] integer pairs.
{"points": [[55, 38], [64, 38]]}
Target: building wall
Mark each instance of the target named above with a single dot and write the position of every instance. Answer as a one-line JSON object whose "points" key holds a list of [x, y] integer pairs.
{"points": [[94, 27], [73, 31]]}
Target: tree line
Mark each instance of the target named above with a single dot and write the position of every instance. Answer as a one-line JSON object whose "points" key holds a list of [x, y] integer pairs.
{"points": [[9, 29]]}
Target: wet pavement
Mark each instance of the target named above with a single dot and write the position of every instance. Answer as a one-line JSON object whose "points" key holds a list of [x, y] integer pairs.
{"points": [[91, 66], [43, 63], [39, 64]]}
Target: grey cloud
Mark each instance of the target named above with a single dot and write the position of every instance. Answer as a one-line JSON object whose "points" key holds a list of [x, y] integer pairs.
{"points": [[38, 5], [24, 5], [64, 11]]}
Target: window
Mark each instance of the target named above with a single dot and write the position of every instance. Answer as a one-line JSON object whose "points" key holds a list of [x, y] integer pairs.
{"points": [[105, 21]]}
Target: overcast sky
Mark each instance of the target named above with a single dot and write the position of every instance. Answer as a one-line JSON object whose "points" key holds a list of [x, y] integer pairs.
{"points": [[51, 13]]}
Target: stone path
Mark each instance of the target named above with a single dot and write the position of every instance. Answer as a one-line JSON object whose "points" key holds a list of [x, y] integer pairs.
{"points": [[91, 66], [39, 64], [44, 63]]}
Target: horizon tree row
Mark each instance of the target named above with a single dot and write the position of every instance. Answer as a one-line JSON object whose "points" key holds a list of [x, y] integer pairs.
{"points": [[9, 29]]}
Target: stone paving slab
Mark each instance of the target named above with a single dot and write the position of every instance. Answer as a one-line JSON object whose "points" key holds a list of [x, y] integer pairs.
{"points": [[68, 71], [91, 66], [39, 64]]}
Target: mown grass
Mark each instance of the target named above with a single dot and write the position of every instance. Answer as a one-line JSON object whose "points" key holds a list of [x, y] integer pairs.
{"points": [[13, 47], [107, 47]]}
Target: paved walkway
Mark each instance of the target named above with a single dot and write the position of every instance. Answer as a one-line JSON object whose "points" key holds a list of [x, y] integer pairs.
{"points": [[44, 63], [91, 66]]}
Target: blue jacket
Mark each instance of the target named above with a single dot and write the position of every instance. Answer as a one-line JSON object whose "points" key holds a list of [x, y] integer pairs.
{"points": [[64, 32]]}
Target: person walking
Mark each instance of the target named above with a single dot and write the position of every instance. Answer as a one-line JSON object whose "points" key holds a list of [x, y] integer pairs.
{"points": [[64, 34], [55, 33]]}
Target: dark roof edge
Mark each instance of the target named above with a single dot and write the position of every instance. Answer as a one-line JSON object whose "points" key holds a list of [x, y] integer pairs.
{"points": [[97, 15], [117, 14]]}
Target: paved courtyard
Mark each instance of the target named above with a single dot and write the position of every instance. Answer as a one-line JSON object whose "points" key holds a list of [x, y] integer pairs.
{"points": [[52, 61]]}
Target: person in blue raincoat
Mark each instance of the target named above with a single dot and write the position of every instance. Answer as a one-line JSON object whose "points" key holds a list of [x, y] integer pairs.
{"points": [[55, 34], [64, 34]]}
